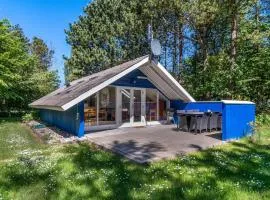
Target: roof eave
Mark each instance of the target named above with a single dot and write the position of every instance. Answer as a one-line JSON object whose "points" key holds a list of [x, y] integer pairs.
{"points": [[57, 108], [185, 95]]}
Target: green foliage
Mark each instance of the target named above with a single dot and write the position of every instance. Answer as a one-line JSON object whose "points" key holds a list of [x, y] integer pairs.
{"points": [[103, 35], [24, 74], [260, 128], [263, 120], [43, 54], [27, 117], [196, 38], [30, 116]]}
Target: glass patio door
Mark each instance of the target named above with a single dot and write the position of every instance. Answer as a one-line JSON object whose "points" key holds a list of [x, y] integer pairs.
{"points": [[126, 105], [137, 105], [132, 107]]}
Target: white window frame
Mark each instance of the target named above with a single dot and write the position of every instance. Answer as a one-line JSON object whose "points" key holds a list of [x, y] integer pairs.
{"points": [[118, 110]]}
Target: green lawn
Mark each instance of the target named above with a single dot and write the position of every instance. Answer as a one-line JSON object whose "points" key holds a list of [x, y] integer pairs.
{"points": [[15, 138], [31, 170]]}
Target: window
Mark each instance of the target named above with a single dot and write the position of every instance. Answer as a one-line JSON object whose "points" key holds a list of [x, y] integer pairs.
{"points": [[125, 105], [151, 105], [90, 110], [162, 107], [107, 106]]}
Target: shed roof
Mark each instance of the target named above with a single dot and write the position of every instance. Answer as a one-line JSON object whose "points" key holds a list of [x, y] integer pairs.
{"points": [[68, 96]]}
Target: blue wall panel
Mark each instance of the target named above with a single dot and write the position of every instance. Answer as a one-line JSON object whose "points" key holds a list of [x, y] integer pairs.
{"points": [[202, 106], [132, 80], [66, 120], [236, 120]]}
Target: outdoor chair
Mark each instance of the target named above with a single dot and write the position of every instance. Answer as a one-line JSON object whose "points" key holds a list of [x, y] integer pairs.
{"points": [[170, 116], [199, 123], [183, 125], [213, 122], [219, 123]]}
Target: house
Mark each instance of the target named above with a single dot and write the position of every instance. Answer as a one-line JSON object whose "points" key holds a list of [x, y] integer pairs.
{"points": [[136, 93]]}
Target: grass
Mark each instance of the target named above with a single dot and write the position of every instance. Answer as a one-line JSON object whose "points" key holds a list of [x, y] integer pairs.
{"points": [[239, 170], [15, 138]]}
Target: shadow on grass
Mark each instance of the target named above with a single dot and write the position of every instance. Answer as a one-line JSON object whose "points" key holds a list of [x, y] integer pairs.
{"points": [[122, 178], [87, 172]]}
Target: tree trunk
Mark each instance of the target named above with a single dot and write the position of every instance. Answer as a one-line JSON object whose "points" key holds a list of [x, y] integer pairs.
{"points": [[175, 51], [233, 32], [180, 49], [202, 40], [166, 43], [257, 19]]}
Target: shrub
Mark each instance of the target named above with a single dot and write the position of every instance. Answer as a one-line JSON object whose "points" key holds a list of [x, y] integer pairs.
{"points": [[262, 120], [30, 116]]}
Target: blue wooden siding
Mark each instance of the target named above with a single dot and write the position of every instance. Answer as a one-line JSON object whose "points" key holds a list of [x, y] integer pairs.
{"points": [[236, 119], [202, 106], [66, 120], [132, 80]]}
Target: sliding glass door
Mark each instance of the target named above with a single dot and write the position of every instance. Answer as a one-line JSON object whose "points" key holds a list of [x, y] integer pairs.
{"points": [[126, 99], [124, 107], [131, 104], [137, 101]]}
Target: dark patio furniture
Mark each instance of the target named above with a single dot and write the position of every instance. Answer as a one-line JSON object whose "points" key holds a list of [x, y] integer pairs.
{"points": [[183, 123], [184, 118], [193, 120], [199, 123], [213, 121], [219, 124]]}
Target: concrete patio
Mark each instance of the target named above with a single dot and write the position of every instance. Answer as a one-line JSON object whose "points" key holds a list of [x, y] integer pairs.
{"points": [[148, 144]]}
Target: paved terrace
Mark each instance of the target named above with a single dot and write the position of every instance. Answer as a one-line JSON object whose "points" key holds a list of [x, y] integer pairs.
{"points": [[148, 144]]}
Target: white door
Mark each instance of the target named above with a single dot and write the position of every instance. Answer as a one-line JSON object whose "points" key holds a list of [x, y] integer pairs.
{"points": [[131, 103]]}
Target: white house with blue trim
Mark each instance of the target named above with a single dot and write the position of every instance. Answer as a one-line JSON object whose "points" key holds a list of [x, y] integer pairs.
{"points": [[135, 93]]}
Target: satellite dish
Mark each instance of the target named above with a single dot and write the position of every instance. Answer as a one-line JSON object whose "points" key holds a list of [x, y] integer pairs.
{"points": [[155, 47]]}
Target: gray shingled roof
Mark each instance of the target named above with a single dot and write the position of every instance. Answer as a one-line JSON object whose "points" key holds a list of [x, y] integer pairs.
{"points": [[78, 87]]}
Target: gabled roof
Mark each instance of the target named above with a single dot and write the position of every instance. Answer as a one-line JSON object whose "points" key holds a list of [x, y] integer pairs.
{"points": [[66, 97]]}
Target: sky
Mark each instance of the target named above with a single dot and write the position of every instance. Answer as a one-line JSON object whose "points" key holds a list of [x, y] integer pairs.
{"points": [[46, 19]]}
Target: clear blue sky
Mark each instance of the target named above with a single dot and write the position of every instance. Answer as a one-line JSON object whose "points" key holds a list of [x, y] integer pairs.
{"points": [[46, 19]]}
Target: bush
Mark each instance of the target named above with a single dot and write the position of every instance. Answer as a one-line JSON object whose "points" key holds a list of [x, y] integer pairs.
{"points": [[262, 120], [30, 116]]}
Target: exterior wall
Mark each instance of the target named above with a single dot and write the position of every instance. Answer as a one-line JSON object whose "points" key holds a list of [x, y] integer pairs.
{"points": [[203, 106], [66, 120], [236, 117], [132, 80], [236, 120]]}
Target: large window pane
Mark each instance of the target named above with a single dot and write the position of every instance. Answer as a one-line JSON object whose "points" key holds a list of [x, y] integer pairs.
{"points": [[162, 107], [151, 105], [137, 105], [125, 105], [90, 111], [107, 105]]}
